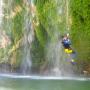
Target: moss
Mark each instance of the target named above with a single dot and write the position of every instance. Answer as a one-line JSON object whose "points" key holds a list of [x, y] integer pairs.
{"points": [[37, 53], [41, 35], [18, 2], [80, 12]]}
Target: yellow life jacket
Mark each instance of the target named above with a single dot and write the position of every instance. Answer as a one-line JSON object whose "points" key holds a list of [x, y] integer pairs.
{"points": [[68, 51]]}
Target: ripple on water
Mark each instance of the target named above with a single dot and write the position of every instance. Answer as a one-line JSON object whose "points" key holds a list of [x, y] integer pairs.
{"points": [[43, 77]]}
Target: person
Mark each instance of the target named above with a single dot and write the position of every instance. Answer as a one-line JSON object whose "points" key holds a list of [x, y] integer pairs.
{"points": [[73, 56], [73, 61], [66, 44], [66, 41], [67, 47]]}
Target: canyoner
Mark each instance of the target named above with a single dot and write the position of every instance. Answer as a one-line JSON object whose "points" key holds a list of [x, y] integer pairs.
{"points": [[66, 42]]}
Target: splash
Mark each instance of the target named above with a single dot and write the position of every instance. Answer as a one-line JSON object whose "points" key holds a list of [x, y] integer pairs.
{"points": [[35, 77]]}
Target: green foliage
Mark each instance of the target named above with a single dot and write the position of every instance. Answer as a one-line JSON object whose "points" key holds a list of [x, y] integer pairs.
{"points": [[80, 12], [47, 14], [41, 35], [37, 54], [17, 31], [13, 28], [18, 2], [51, 25], [17, 34], [48, 24]]}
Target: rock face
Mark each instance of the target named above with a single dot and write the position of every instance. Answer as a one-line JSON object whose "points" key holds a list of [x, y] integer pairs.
{"points": [[86, 70], [4, 39], [5, 68]]}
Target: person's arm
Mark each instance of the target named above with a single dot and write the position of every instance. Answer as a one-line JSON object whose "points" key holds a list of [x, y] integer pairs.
{"points": [[69, 42]]}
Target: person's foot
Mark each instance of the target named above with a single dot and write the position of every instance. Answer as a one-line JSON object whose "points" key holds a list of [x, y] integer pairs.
{"points": [[73, 62]]}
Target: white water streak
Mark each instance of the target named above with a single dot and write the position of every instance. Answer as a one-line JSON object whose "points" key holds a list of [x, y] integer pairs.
{"points": [[35, 77], [67, 15], [1, 11], [28, 38]]}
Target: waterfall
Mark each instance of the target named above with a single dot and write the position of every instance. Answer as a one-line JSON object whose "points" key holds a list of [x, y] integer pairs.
{"points": [[1, 12], [27, 40], [59, 62], [54, 53]]}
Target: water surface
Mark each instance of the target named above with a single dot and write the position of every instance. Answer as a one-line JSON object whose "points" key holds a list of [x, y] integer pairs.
{"points": [[42, 84]]}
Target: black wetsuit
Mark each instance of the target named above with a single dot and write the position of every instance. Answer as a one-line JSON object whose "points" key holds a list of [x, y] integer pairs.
{"points": [[66, 44]]}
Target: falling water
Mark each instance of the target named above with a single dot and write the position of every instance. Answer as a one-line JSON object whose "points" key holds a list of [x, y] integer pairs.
{"points": [[1, 12], [54, 58], [59, 62], [27, 40]]}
